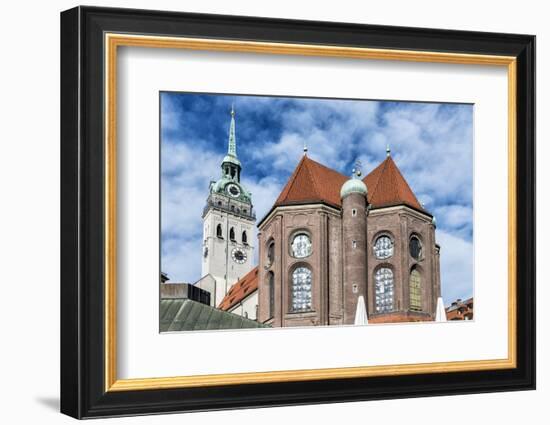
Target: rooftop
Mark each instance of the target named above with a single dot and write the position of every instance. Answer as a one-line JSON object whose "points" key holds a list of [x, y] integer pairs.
{"points": [[312, 182], [240, 290], [188, 315]]}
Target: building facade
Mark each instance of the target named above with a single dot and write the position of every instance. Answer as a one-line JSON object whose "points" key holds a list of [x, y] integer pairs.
{"points": [[330, 243], [228, 226], [461, 310]]}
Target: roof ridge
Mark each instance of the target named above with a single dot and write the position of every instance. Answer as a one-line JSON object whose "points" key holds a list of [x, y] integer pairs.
{"points": [[383, 166], [310, 173], [291, 181], [401, 194], [401, 190], [327, 168]]}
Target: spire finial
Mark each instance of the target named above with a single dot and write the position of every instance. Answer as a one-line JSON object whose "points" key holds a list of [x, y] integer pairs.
{"points": [[356, 172], [388, 150], [305, 147], [232, 109]]}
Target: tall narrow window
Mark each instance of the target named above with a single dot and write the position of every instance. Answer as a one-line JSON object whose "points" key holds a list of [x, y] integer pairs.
{"points": [[219, 231], [232, 234], [383, 283], [415, 248], [271, 284], [244, 237], [415, 290], [301, 289], [270, 254]]}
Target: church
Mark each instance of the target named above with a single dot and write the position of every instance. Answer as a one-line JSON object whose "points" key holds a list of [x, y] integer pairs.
{"points": [[332, 250]]}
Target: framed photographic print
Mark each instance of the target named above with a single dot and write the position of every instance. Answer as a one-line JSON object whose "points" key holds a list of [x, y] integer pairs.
{"points": [[261, 212]]}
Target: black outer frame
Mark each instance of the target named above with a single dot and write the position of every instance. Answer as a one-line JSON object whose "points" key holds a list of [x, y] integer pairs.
{"points": [[82, 219]]}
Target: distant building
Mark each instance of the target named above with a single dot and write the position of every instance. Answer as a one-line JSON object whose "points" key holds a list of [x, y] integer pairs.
{"points": [[184, 290], [461, 310]]}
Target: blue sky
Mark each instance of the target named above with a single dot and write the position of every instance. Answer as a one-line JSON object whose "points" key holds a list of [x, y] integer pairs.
{"points": [[430, 143]]}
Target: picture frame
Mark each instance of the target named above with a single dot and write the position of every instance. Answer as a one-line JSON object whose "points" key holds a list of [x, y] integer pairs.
{"points": [[90, 39]]}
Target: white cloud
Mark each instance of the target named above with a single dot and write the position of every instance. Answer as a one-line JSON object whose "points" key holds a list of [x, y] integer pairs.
{"points": [[454, 216], [456, 262], [432, 147]]}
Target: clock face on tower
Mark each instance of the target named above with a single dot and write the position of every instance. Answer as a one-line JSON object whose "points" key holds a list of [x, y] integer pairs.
{"points": [[238, 256], [233, 190]]}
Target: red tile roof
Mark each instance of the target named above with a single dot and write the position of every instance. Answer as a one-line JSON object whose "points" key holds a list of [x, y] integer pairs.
{"points": [[387, 187], [312, 182], [240, 290]]}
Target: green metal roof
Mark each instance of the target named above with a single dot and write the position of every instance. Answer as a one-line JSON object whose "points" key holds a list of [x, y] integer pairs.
{"points": [[181, 314]]}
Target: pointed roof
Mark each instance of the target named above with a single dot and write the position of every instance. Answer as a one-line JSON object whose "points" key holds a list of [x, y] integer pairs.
{"points": [[388, 187], [240, 290], [312, 182], [232, 143]]}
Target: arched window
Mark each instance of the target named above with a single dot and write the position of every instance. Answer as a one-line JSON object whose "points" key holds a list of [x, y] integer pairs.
{"points": [[219, 231], [232, 234], [301, 246], [270, 253], [383, 247], [244, 237], [415, 248], [415, 290], [271, 287], [301, 289], [383, 283]]}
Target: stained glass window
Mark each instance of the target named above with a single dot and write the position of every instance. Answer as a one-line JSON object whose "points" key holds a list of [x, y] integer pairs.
{"points": [[301, 246], [301, 289], [383, 247], [383, 282], [415, 291]]}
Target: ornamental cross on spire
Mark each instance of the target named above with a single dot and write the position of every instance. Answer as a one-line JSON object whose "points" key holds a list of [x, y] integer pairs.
{"points": [[232, 147]]}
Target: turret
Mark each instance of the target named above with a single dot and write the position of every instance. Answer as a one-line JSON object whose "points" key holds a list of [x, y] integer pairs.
{"points": [[354, 224]]}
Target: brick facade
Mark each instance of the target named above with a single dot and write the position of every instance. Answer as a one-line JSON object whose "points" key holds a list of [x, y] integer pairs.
{"points": [[342, 261]]}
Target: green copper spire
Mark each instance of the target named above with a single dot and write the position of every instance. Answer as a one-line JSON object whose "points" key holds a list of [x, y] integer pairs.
{"points": [[231, 166], [232, 148]]}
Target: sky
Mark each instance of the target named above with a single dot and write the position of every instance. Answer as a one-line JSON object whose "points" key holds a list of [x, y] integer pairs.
{"points": [[431, 143]]}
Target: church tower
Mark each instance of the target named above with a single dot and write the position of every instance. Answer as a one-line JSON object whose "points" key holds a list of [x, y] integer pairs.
{"points": [[228, 224], [354, 239]]}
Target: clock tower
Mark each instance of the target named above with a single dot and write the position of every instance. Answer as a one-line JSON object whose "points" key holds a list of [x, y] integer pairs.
{"points": [[228, 224]]}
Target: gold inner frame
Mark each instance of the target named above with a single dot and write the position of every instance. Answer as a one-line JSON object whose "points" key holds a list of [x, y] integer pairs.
{"points": [[113, 41]]}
